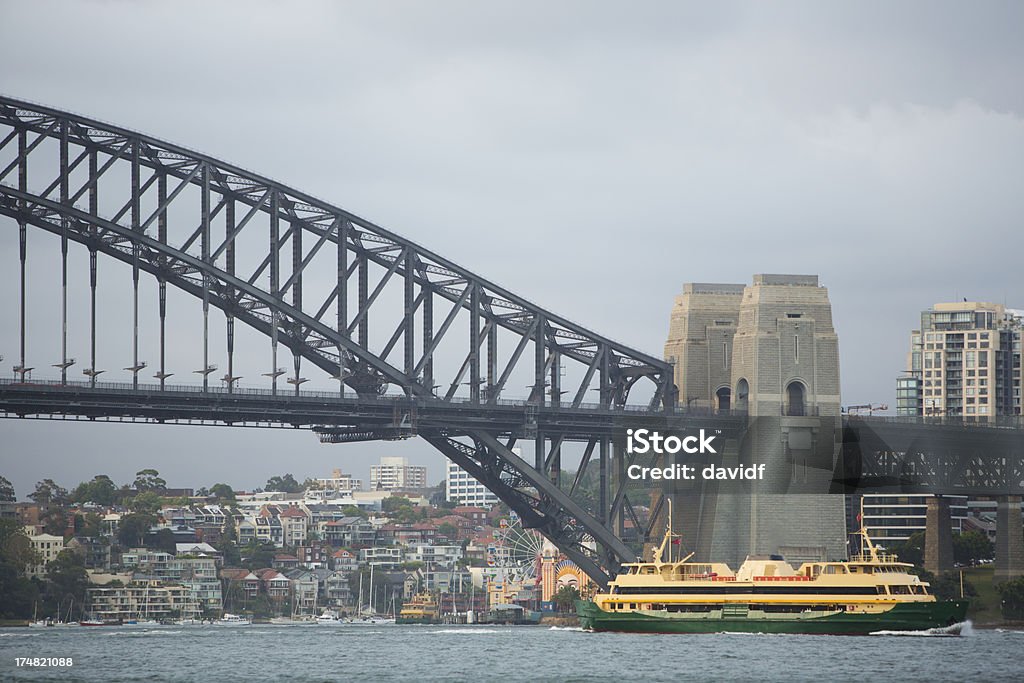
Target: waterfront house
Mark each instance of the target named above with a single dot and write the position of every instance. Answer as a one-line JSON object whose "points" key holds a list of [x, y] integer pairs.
{"points": [[48, 547], [345, 560], [294, 525]]}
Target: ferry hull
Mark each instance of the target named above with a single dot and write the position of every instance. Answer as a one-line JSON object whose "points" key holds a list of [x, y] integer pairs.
{"points": [[916, 616], [416, 620]]}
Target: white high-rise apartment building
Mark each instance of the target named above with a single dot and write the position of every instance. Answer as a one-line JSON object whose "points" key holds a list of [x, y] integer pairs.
{"points": [[395, 473], [964, 361]]}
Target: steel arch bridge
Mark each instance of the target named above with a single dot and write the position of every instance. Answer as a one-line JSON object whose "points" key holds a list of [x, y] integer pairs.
{"points": [[190, 221], [418, 345]]}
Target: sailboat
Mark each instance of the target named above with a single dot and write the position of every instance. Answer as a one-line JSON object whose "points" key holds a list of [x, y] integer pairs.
{"points": [[370, 617], [142, 619], [36, 621]]}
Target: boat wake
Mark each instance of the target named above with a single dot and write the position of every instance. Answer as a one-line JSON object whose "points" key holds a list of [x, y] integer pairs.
{"points": [[142, 633], [566, 628], [964, 628], [464, 631]]}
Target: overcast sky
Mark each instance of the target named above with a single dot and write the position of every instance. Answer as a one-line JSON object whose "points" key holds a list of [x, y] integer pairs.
{"points": [[591, 157]]}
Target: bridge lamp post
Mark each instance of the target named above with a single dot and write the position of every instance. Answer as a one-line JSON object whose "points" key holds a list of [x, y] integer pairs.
{"points": [[64, 365], [134, 369], [273, 375], [22, 370], [92, 374], [162, 376], [205, 372], [297, 381], [229, 381], [341, 377]]}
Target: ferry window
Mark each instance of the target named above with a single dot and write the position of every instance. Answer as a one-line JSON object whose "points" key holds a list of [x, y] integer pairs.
{"points": [[632, 605], [881, 590]]}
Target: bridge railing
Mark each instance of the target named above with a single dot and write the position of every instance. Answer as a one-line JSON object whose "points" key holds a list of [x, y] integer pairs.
{"points": [[284, 394], [992, 421]]}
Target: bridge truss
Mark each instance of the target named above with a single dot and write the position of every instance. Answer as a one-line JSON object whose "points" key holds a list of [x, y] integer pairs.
{"points": [[392, 322]]}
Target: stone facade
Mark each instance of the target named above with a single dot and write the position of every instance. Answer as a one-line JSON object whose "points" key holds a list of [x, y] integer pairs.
{"points": [[767, 350]]}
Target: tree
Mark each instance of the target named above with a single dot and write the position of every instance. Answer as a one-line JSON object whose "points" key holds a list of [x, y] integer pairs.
{"points": [[6, 491], [972, 546], [258, 554], [565, 598], [15, 546], [222, 492], [147, 502], [232, 556], [17, 592], [285, 484], [1011, 594], [393, 503], [230, 534], [101, 490], [132, 530], [49, 493], [66, 579], [165, 541], [912, 550], [89, 525], [354, 511], [149, 480]]}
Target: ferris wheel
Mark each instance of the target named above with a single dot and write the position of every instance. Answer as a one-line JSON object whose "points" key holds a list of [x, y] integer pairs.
{"points": [[515, 553]]}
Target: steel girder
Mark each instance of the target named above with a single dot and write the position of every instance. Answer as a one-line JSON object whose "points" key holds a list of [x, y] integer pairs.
{"points": [[233, 210], [426, 276], [924, 456]]}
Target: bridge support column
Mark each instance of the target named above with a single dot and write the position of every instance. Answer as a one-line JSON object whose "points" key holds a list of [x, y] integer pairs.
{"points": [[1009, 541], [938, 536]]}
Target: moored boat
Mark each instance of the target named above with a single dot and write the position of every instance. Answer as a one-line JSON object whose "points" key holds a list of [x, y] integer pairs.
{"points": [[233, 620], [329, 618], [872, 591]]}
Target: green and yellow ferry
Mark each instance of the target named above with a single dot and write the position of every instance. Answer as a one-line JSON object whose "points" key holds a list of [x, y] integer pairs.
{"points": [[421, 609], [871, 592]]}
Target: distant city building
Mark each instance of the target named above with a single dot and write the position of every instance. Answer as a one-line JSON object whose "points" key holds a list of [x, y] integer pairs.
{"points": [[341, 482], [965, 360], [891, 518], [395, 473], [461, 487]]}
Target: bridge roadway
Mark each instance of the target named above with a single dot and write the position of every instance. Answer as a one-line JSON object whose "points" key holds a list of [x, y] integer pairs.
{"points": [[879, 454], [402, 415]]}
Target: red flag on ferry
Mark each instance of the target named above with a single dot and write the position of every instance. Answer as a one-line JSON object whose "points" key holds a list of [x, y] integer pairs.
{"points": [[676, 541]]}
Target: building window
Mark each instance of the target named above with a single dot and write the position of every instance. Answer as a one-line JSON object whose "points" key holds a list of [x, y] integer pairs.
{"points": [[796, 348]]}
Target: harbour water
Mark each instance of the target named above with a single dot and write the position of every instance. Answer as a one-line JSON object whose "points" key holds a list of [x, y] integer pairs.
{"points": [[308, 652]]}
